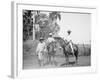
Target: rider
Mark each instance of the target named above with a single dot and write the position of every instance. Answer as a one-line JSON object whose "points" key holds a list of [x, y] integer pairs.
{"points": [[50, 38], [70, 41]]}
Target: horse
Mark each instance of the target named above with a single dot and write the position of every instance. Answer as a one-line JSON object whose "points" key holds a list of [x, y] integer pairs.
{"points": [[51, 48], [67, 50]]}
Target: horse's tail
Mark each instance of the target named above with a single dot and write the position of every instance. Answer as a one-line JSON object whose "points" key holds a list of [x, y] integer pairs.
{"points": [[76, 51], [76, 47]]}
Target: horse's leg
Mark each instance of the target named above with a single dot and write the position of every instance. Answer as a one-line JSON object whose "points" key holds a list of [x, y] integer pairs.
{"points": [[55, 61], [50, 59], [39, 62], [67, 59], [76, 52], [76, 57], [43, 61]]}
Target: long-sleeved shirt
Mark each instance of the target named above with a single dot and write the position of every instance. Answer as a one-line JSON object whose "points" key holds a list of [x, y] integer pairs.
{"points": [[40, 46], [68, 38], [40, 49]]}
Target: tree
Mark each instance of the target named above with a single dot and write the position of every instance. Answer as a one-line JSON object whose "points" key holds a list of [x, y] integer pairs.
{"points": [[46, 23], [53, 16], [42, 20], [27, 24]]}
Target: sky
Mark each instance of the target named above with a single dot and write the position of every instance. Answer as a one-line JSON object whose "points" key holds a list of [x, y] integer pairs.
{"points": [[79, 24]]}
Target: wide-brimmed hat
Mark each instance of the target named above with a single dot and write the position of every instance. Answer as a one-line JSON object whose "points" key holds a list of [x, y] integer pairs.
{"points": [[69, 31]]}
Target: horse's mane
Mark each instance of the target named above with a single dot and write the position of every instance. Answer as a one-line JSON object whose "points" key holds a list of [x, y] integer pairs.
{"points": [[58, 38], [61, 41]]}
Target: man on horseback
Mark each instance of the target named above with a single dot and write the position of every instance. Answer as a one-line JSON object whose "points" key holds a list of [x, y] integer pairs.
{"points": [[69, 41]]}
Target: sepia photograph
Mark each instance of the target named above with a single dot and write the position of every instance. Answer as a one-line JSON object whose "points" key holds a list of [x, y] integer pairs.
{"points": [[56, 39]]}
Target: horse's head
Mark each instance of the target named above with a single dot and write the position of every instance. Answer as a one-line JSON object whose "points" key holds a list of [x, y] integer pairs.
{"points": [[52, 47]]}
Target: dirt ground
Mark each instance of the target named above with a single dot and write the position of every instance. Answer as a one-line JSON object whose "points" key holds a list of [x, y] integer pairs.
{"points": [[31, 62]]}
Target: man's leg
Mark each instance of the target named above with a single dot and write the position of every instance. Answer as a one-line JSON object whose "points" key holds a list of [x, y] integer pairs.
{"points": [[40, 58], [71, 48]]}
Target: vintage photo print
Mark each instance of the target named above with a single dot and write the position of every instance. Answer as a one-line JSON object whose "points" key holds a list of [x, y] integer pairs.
{"points": [[56, 39]]}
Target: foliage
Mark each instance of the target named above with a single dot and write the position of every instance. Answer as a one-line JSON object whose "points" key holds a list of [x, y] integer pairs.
{"points": [[27, 24], [47, 23], [54, 15]]}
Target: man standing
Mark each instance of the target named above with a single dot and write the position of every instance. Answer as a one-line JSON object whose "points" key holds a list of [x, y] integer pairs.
{"points": [[41, 48]]}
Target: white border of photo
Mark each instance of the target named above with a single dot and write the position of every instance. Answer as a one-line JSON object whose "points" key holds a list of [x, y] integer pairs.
{"points": [[17, 42]]}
